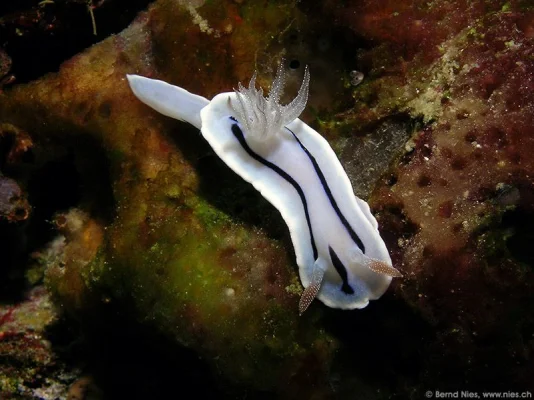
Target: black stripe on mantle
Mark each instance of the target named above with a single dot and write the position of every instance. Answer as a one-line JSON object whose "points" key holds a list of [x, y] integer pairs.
{"points": [[341, 270], [238, 133], [353, 235]]}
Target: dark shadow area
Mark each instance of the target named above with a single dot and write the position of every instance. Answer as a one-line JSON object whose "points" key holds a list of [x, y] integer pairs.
{"points": [[75, 174], [384, 342], [39, 38], [128, 360], [520, 221], [54, 187], [54, 178], [12, 250], [508, 235]]}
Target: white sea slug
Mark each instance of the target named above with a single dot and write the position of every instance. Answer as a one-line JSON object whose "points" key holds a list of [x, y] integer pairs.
{"points": [[342, 259]]}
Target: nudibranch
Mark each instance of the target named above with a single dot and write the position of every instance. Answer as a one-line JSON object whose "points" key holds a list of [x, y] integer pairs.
{"points": [[342, 259]]}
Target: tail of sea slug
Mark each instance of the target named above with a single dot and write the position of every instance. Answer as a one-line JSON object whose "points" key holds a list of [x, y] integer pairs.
{"points": [[169, 100]]}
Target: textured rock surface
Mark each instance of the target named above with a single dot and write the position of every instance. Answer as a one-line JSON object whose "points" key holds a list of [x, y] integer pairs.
{"points": [[29, 367], [167, 241], [185, 259], [457, 206], [13, 206]]}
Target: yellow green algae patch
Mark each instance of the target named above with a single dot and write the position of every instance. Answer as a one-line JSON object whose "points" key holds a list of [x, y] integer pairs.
{"points": [[167, 255]]}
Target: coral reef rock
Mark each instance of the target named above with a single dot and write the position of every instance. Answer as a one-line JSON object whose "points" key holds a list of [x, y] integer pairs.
{"points": [[154, 228]]}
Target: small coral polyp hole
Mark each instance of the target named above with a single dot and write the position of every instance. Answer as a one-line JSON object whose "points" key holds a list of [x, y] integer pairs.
{"points": [[21, 214], [445, 209], [60, 221], [470, 137], [391, 180], [426, 151], [458, 163], [456, 228], [293, 38], [443, 182], [294, 64], [423, 181]]}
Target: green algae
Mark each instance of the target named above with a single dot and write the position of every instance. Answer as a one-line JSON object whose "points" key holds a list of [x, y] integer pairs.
{"points": [[209, 215], [295, 287]]}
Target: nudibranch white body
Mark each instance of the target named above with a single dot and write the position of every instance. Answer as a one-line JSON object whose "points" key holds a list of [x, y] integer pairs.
{"points": [[342, 259]]}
